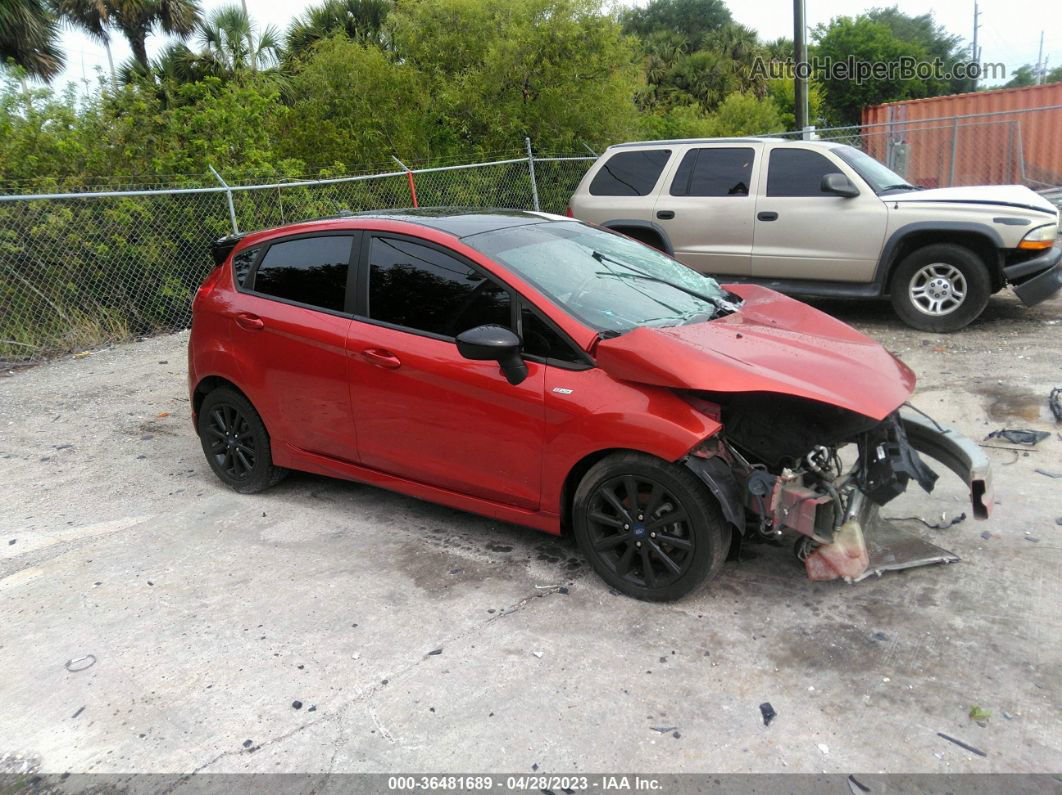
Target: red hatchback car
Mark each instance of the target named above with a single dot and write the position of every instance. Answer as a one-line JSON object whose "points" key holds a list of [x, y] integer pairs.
{"points": [[541, 371]]}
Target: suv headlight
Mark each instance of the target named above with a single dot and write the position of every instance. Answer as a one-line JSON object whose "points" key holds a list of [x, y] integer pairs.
{"points": [[1040, 238]]}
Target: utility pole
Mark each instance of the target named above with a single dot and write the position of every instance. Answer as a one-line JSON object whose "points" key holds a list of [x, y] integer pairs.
{"points": [[975, 51], [1041, 67], [800, 57]]}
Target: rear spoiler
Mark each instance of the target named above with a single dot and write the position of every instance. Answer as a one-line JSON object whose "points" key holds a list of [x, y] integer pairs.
{"points": [[223, 246]]}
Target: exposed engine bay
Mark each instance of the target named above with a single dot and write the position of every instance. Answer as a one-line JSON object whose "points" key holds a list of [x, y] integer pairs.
{"points": [[776, 468]]}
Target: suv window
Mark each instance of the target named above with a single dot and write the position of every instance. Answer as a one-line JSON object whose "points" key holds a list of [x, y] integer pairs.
{"points": [[309, 270], [630, 173], [424, 289], [540, 339], [798, 172], [714, 172]]}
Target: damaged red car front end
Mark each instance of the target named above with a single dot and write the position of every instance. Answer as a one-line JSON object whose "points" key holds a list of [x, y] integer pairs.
{"points": [[794, 389]]}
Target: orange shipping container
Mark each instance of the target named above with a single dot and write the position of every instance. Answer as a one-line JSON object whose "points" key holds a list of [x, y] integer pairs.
{"points": [[1002, 136]]}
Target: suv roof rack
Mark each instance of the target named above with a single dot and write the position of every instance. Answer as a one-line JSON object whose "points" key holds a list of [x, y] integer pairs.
{"points": [[744, 140]]}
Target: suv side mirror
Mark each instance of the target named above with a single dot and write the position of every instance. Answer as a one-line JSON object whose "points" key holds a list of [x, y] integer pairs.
{"points": [[486, 343], [839, 185]]}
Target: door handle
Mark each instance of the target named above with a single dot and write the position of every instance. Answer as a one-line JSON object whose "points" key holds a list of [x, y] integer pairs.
{"points": [[768, 216], [248, 321], [381, 358], [665, 215]]}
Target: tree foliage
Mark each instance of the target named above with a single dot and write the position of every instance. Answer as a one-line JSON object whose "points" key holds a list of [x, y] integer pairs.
{"points": [[29, 37], [885, 36]]}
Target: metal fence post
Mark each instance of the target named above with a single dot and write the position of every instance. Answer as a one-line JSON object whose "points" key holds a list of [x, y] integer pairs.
{"points": [[228, 196], [531, 170], [954, 149], [1021, 152], [409, 177]]}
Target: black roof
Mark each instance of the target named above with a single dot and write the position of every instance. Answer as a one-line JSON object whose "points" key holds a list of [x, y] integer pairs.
{"points": [[462, 222]]}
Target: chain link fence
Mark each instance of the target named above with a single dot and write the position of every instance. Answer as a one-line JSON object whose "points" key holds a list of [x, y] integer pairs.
{"points": [[1009, 147], [84, 269]]}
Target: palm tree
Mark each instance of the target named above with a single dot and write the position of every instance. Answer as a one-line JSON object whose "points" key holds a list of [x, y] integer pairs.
{"points": [[232, 42], [135, 19], [29, 36], [360, 20], [91, 17]]}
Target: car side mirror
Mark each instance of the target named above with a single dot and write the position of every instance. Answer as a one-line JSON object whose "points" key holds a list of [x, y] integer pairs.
{"points": [[839, 185], [486, 343]]}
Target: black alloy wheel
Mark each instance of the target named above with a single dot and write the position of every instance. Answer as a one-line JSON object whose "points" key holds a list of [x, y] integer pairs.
{"points": [[650, 528], [640, 530], [231, 442], [236, 443]]}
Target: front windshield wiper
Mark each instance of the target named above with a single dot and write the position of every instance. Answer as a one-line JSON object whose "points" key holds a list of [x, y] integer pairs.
{"points": [[901, 186], [722, 305]]}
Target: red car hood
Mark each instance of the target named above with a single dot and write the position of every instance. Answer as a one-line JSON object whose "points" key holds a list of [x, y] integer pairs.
{"points": [[773, 344]]}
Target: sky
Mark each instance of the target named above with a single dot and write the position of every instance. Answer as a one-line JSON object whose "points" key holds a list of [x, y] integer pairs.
{"points": [[1010, 29]]}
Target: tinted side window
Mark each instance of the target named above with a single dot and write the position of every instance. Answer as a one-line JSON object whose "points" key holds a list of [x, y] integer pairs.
{"points": [[242, 262], [539, 339], [714, 172], [310, 270], [630, 173], [424, 289], [798, 172]]}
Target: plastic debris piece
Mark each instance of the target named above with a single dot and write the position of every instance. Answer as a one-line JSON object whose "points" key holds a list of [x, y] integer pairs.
{"points": [[1054, 400], [664, 729], [977, 713], [961, 744], [854, 784], [1051, 473], [80, 663], [1019, 436], [986, 535], [434, 652], [825, 749], [768, 713], [537, 654]]}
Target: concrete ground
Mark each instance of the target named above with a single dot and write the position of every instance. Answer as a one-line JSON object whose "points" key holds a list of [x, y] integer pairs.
{"points": [[418, 638]]}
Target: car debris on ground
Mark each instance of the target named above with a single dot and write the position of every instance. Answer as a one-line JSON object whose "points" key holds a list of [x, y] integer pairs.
{"points": [[1019, 436], [961, 744], [768, 713]]}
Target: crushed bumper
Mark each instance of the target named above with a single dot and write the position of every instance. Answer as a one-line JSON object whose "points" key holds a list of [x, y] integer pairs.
{"points": [[867, 544], [962, 456], [1037, 279]]}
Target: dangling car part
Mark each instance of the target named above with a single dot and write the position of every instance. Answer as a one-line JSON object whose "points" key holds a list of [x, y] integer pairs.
{"points": [[835, 512]]}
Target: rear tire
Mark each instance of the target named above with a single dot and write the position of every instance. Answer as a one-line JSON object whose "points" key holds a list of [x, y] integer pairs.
{"points": [[649, 528], [942, 287], [236, 443]]}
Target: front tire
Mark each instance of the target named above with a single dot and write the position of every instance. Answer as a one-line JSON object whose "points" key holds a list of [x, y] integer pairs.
{"points": [[941, 288], [649, 528], [236, 443]]}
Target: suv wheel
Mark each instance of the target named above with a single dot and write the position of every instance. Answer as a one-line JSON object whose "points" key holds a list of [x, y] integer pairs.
{"points": [[649, 528], [941, 287], [236, 443]]}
